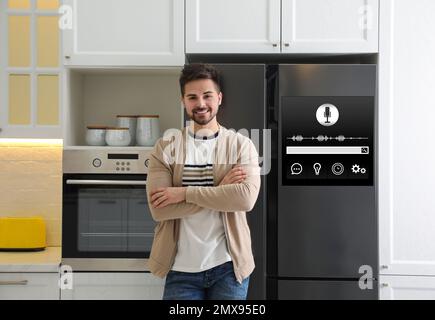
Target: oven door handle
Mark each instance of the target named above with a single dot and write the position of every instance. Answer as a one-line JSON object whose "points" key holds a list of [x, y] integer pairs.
{"points": [[107, 182]]}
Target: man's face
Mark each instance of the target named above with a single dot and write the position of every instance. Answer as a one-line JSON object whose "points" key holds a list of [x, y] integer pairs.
{"points": [[201, 100]]}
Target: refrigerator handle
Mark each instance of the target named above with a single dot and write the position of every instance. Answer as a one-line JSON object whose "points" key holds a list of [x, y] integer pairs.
{"points": [[272, 102], [272, 95]]}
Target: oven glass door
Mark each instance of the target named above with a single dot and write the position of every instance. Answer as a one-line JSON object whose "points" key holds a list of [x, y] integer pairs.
{"points": [[106, 216]]}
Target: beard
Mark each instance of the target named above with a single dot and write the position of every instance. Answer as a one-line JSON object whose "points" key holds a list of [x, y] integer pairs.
{"points": [[202, 119]]}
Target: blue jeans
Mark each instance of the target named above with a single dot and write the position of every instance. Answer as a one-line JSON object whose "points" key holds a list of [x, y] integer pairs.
{"points": [[218, 283]]}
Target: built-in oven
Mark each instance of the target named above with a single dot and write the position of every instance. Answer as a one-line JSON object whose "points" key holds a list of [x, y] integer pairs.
{"points": [[106, 221]]}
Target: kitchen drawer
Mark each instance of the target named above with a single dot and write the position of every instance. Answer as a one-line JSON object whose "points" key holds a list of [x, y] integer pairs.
{"points": [[29, 286], [113, 286]]}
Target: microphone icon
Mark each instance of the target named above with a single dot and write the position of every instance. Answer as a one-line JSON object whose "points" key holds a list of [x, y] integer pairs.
{"points": [[327, 114]]}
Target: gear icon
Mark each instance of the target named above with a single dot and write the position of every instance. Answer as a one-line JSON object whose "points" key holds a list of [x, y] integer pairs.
{"points": [[355, 168], [363, 171]]}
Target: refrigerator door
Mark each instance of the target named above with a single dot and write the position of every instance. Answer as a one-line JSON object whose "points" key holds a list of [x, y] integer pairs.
{"points": [[327, 222], [325, 290], [243, 109], [326, 233]]}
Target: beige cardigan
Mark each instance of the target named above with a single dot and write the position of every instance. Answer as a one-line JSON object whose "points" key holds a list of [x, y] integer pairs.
{"points": [[165, 169]]}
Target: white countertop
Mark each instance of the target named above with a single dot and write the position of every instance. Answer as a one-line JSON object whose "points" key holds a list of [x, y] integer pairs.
{"points": [[42, 261]]}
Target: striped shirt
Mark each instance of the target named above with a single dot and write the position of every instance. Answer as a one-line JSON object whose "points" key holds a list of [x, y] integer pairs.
{"points": [[202, 241], [198, 175]]}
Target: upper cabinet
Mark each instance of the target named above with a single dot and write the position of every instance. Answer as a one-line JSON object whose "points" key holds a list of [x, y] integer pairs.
{"points": [[282, 26], [123, 33], [30, 69], [330, 26], [233, 26]]}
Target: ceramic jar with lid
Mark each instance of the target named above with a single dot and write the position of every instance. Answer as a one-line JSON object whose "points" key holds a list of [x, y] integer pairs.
{"points": [[96, 135], [126, 121], [118, 136], [148, 130]]}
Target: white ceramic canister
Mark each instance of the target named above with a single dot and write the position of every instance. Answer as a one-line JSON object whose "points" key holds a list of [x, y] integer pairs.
{"points": [[118, 137], [148, 130], [125, 121], [96, 135]]}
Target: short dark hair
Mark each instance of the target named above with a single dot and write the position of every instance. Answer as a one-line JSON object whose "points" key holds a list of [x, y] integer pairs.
{"points": [[197, 71]]}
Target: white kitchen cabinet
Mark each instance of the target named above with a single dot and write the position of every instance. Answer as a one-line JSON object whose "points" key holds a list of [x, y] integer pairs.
{"points": [[29, 286], [330, 26], [282, 26], [123, 32], [233, 26], [406, 288], [406, 136], [31, 73], [113, 286]]}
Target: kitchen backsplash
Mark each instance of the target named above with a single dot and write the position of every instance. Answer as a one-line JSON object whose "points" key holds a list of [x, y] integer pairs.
{"points": [[31, 183]]}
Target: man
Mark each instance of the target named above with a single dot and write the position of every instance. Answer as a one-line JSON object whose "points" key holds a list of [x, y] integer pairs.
{"points": [[201, 182]]}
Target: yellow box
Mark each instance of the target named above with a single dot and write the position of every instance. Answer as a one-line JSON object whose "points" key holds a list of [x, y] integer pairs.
{"points": [[22, 234]]}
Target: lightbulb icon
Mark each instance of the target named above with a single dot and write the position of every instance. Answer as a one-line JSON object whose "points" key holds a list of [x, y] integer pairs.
{"points": [[317, 167]]}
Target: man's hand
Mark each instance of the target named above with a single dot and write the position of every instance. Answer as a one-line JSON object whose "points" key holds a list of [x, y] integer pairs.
{"points": [[163, 197], [235, 175]]}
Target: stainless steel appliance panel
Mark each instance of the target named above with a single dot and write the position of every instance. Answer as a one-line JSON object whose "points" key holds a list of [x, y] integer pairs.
{"points": [[243, 108], [103, 160], [327, 230], [324, 290], [326, 233], [309, 80], [106, 221]]}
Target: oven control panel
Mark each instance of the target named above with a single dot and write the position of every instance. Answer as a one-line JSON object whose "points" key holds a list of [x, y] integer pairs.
{"points": [[327, 140], [105, 161]]}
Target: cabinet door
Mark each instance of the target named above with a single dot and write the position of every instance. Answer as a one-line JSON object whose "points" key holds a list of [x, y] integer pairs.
{"points": [[114, 286], [329, 26], [123, 33], [30, 70], [406, 138], [29, 286], [228, 26], [406, 287]]}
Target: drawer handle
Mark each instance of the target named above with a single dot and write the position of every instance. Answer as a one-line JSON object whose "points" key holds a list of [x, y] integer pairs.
{"points": [[14, 283]]}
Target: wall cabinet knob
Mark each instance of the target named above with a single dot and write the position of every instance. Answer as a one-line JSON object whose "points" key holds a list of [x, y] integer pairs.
{"points": [[275, 45], [287, 44], [67, 57], [384, 266]]}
